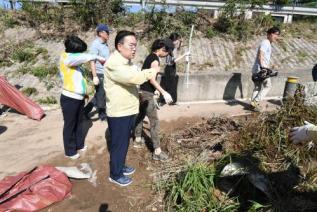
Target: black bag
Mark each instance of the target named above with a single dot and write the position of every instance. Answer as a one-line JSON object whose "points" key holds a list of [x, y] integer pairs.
{"points": [[263, 74]]}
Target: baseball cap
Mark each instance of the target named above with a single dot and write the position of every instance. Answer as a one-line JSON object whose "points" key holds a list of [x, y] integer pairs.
{"points": [[103, 28]]}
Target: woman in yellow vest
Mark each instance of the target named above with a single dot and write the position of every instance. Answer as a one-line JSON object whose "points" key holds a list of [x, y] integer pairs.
{"points": [[73, 93]]}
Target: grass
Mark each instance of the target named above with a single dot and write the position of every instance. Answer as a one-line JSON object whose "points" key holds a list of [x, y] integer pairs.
{"points": [[267, 138], [193, 190], [23, 55], [7, 19], [22, 52], [29, 91], [28, 53], [40, 71], [261, 142], [48, 100], [301, 55]]}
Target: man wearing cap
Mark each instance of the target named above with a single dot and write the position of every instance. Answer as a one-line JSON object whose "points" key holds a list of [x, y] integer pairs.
{"points": [[99, 47]]}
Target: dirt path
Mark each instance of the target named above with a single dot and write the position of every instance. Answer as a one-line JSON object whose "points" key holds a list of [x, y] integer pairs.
{"points": [[25, 143]]}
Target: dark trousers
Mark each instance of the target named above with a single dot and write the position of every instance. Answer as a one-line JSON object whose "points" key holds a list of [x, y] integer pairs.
{"points": [[148, 108], [73, 111], [169, 82], [99, 99], [120, 133]]}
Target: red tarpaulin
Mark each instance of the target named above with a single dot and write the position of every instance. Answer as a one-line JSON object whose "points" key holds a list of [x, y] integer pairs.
{"points": [[34, 190], [13, 98]]}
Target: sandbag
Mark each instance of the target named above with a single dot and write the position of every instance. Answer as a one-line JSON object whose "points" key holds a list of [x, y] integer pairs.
{"points": [[13, 98], [34, 190]]}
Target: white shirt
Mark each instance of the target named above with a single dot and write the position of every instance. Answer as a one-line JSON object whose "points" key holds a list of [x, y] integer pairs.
{"points": [[266, 48]]}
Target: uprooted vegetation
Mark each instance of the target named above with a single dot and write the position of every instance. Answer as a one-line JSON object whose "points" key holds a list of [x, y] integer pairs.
{"points": [[247, 164]]}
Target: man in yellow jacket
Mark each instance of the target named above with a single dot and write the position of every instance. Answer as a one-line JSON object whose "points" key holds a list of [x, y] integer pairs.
{"points": [[122, 102]]}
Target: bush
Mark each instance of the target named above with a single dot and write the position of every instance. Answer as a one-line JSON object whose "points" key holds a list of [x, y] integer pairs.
{"points": [[48, 100], [23, 55], [24, 52], [8, 20], [40, 71], [232, 20], [29, 91], [210, 33]]}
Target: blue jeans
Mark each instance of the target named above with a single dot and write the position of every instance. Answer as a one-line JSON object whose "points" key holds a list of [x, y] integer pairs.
{"points": [[120, 132]]}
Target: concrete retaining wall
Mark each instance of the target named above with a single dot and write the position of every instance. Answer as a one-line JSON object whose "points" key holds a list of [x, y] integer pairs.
{"points": [[207, 87]]}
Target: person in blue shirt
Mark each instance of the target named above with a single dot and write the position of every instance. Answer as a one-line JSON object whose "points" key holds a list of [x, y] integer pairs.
{"points": [[99, 47]]}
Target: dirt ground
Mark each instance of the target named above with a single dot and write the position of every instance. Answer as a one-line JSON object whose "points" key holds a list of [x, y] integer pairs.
{"points": [[25, 143]]}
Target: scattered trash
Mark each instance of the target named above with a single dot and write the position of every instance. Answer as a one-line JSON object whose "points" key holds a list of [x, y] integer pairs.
{"points": [[84, 172], [261, 182], [257, 179], [93, 178], [233, 169], [74, 172]]}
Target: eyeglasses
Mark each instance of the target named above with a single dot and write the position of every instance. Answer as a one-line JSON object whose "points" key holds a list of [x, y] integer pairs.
{"points": [[130, 46]]}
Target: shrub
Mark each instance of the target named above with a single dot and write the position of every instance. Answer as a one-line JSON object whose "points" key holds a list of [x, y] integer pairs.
{"points": [[23, 55], [29, 91], [48, 100], [8, 20], [40, 71], [210, 33]]}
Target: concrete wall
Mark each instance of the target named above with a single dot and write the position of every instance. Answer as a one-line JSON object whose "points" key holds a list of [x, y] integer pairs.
{"points": [[207, 87]]}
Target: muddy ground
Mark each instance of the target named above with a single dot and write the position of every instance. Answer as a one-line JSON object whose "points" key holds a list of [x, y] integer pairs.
{"points": [[25, 143]]}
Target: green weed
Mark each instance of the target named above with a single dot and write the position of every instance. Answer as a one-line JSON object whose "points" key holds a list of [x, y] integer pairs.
{"points": [[39, 71], [193, 190], [23, 55], [48, 100], [29, 91], [210, 33], [8, 21]]}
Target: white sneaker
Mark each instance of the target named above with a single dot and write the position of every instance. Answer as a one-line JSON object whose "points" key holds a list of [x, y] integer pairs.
{"points": [[74, 157], [83, 149]]}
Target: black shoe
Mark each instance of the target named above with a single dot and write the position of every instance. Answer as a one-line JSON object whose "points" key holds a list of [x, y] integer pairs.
{"points": [[102, 116]]}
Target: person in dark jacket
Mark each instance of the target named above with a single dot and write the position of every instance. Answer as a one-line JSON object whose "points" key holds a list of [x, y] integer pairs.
{"points": [[169, 80]]}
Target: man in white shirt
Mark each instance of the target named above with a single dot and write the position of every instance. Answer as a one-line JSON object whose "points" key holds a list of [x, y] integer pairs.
{"points": [[262, 87]]}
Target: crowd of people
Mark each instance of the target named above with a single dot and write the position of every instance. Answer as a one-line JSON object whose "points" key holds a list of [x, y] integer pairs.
{"points": [[125, 94]]}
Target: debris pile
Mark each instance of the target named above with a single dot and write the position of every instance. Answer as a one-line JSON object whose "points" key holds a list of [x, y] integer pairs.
{"points": [[251, 163]]}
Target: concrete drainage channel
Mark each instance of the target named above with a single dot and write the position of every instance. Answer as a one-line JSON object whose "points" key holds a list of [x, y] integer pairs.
{"points": [[212, 88]]}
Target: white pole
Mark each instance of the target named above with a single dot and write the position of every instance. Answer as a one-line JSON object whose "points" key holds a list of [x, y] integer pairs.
{"points": [[188, 61]]}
